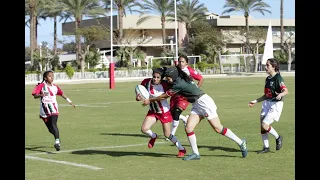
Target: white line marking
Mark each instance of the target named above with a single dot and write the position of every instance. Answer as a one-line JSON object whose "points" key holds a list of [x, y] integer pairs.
{"points": [[63, 162], [105, 147]]}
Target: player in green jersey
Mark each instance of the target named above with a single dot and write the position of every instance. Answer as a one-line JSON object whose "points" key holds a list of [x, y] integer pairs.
{"points": [[274, 91], [203, 106]]}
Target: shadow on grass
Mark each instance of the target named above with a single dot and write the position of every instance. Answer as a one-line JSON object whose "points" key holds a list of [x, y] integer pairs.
{"points": [[120, 134], [37, 148], [122, 153]]}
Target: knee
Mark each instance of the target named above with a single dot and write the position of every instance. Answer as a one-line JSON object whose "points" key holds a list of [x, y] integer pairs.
{"points": [[189, 129], [264, 126], [176, 113]]}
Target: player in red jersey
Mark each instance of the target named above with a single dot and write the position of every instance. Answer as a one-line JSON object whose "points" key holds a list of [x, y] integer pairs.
{"points": [[47, 92], [274, 91], [158, 110]]}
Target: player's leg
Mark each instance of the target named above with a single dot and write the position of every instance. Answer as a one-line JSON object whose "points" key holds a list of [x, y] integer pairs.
{"points": [[192, 122], [166, 119], [176, 112], [53, 121], [49, 126], [264, 136], [275, 109], [210, 109], [148, 122]]}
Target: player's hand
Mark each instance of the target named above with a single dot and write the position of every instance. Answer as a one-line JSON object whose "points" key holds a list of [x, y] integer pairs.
{"points": [[146, 102], [138, 97], [252, 103], [279, 96]]}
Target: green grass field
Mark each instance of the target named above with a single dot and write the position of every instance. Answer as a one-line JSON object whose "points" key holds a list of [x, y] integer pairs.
{"points": [[104, 132]]}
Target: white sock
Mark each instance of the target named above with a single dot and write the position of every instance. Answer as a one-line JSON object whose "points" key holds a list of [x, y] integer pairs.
{"points": [[175, 125], [227, 132], [184, 119], [150, 133], [193, 142], [272, 131], [175, 141], [57, 141], [265, 140]]}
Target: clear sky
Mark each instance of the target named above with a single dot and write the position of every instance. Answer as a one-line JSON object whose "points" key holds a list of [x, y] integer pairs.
{"points": [[45, 29]]}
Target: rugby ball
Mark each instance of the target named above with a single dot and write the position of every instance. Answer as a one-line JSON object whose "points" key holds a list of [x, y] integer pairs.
{"points": [[142, 90]]}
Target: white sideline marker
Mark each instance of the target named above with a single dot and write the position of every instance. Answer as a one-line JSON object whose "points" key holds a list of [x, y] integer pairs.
{"points": [[63, 162]]}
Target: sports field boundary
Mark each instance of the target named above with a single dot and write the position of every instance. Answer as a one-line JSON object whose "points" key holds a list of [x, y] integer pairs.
{"points": [[132, 79]]}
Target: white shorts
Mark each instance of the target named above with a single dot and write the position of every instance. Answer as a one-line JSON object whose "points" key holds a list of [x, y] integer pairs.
{"points": [[271, 110], [205, 107]]}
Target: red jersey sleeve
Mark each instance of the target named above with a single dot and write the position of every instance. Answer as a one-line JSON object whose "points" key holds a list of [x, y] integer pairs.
{"points": [[37, 89], [59, 92], [194, 74], [145, 81]]}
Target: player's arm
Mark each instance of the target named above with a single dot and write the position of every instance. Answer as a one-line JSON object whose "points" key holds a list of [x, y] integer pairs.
{"points": [[284, 90], [262, 98], [60, 93], [36, 93], [159, 98], [195, 75]]}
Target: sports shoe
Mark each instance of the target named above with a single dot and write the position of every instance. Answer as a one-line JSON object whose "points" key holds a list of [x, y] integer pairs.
{"points": [[167, 139], [57, 146], [264, 150], [279, 143], [151, 142], [182, 152], [243, 148], [192, 156]]}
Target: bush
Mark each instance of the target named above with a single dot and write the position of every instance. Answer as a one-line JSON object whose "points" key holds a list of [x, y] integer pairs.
{"points": [[69, 71]]}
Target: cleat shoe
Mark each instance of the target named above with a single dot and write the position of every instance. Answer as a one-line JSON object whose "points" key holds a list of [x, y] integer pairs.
{"points": [[192, 156], [243, 148], [57, 146], [279, 143], [151, 142], [264, 150], [182, 152]]}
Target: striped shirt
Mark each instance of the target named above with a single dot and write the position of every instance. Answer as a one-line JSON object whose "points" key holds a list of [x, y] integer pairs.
{"points": [[155, 91], [48, 103]]}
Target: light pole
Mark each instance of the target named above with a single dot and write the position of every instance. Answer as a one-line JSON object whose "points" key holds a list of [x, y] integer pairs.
{"points": [[111, 64], [176, 28]]}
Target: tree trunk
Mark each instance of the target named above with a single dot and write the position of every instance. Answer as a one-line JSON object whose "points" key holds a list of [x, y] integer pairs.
{"points": [[246, 16], [32, 48], [163, 20], [289, 56], [120, 16], [78, 46], [36, 32], [281, 24], [55, 35], [220, 63]]}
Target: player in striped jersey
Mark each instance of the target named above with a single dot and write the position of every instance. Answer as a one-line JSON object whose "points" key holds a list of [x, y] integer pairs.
{"points": [[47, 92], [158, 110], [274, 91]]}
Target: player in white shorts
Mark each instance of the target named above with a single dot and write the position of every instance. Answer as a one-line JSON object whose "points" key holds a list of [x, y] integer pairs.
{"points": [[274, 91]]}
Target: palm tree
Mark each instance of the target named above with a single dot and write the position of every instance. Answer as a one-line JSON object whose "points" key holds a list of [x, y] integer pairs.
{"points": [[53, 9], [281, 24], [188, 12], [78, 9], [121, 5], [161, 7], [246, 6], [33, 9]]}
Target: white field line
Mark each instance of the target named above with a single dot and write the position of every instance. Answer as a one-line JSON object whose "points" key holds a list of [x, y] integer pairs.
{"points": [[91, 148], [63, 162]]}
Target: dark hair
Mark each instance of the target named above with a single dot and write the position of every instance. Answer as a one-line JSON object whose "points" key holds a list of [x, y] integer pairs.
{"points": [[45, 74], [184, 57], [274, 63], [159, 71], [183, 75]]}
